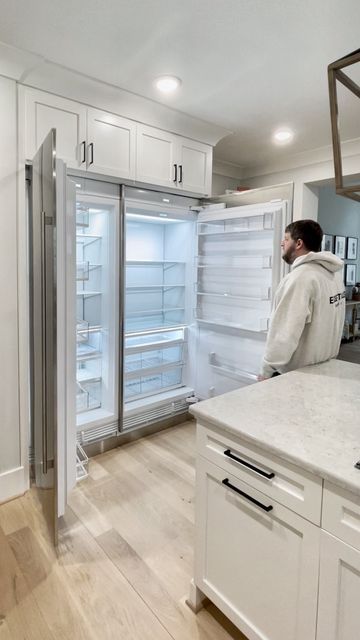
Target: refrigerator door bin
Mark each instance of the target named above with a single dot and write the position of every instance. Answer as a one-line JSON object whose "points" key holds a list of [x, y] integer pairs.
{"points": [[229, 261], [246, 314], [236, 225], [225, 367]]}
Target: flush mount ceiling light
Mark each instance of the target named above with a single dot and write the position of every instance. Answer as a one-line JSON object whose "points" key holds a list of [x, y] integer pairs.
{"points": [[167, 84], [335, 73], [283, 136]]}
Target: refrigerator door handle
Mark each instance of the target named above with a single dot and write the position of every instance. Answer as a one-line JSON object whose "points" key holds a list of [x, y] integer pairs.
{"points": [[175, 173], [44, 437]]}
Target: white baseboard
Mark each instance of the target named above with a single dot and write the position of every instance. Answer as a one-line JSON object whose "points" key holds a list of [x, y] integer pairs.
{"points": [[12, 484]]}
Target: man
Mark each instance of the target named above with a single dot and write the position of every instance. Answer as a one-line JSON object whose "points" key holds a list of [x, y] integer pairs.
{"points": [[309, 308]]}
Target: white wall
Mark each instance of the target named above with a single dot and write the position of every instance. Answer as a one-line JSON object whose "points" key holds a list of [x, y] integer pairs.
{"points": [[11, 473], [306, 170], [225, 176]]}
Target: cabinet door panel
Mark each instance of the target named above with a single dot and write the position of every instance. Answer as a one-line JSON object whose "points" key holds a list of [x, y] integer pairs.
{"points": [[259, 568], [155, 156], [44, 111], [113, 140], [196, 163], [339, 591]]}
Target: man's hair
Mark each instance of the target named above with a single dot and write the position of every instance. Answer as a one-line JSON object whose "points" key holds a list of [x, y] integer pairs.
{"points": [[308, 231]]}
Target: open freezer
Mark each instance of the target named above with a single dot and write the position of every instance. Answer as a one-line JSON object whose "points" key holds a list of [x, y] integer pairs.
{"points": [[97, 291]]}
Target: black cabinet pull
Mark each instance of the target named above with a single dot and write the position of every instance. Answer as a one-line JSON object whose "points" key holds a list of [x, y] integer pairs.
{"points": [[91, 146], [175, 173], [245, 495], [269, 476], [180, 171], [83, 145]]}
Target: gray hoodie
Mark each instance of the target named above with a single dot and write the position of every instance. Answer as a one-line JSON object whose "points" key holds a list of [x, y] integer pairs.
{"points": [[307, 320]]}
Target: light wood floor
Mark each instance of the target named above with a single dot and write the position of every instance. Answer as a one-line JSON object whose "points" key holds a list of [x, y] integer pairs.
{"points": [[125, 556]]}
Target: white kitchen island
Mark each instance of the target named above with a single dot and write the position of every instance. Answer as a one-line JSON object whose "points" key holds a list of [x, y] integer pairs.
{"points": [[278, 505]]}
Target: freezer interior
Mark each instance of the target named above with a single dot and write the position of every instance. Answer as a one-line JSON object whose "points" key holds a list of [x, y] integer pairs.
{"points": [[96, 295]]}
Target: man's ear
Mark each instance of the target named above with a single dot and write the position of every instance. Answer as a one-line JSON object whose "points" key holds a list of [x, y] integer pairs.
{"points": [[299, 243]]}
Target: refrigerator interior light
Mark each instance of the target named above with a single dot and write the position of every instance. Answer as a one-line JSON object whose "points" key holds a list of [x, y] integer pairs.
{"points": [[160, 218]]}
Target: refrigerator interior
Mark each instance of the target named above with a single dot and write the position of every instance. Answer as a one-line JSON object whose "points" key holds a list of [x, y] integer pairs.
{"points": [[159, 303], [238, 269], [97, 332]]}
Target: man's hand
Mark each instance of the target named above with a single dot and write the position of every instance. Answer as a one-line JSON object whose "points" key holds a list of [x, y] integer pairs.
{"points": [[261, 378]]}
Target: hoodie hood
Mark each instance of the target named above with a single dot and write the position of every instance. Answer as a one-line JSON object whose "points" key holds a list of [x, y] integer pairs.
{"points": [[325, 258]]}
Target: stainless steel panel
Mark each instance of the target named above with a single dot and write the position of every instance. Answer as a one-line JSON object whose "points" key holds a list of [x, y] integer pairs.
{"points": [[43, 306]]}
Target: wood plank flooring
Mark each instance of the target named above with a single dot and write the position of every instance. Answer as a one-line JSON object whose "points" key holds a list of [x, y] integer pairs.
{"points": [[125, 556]]}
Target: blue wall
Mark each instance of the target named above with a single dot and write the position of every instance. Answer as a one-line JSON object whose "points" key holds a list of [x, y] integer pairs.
{"points": [[340, 216]]}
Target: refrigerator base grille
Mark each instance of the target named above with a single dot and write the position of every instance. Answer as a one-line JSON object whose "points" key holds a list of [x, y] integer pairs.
{"points": [[141, 419], [158, 413]]}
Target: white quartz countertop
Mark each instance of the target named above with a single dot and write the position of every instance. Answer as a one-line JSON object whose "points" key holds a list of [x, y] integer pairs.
{"points": [[310, 417]]}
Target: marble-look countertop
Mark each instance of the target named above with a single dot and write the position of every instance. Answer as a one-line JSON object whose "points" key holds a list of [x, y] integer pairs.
{"points": [[310, 417]]}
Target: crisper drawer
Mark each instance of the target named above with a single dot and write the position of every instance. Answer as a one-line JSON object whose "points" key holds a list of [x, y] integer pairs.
{"points": [[298, 490], [341, 514]]}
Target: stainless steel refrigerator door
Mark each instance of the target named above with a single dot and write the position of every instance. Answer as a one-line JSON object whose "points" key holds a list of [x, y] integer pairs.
{"points": [[43, 253]]}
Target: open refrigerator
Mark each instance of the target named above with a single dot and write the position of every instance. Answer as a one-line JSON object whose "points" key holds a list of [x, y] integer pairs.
{"points": [[173, 302], [153, 301]]}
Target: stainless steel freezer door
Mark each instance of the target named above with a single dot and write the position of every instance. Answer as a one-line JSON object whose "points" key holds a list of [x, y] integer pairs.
{"points": [[49, 259]]}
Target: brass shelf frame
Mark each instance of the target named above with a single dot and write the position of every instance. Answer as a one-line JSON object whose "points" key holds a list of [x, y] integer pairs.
{"points": [[335, 74]]}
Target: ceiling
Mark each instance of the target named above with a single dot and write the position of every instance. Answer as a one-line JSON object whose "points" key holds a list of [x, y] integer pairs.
{"points": [[251, 66]]}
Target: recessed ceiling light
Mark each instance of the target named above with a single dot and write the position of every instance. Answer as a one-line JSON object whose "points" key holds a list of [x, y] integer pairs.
{"points": [[283, 135], [167, 84]]}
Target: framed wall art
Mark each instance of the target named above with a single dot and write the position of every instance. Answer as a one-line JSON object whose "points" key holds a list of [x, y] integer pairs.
{"points": [[327, 243], [351, 249], [350, 274], [340, 246]]}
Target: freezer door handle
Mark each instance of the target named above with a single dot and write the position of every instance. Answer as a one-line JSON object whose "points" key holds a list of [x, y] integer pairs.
{"points": [[44, 437], [175, 173], [83, 148], [262, 473], [91, 147]]}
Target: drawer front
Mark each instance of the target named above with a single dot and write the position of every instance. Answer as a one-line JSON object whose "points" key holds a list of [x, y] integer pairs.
{"points": [[341, 514], [256, 559], [294, 488]]}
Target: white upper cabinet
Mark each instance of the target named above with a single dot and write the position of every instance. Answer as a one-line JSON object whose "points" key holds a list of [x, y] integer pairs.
{"points": [[105, 143], [110, 144], [44, 111], [172, 161], [195, 166], [156, 155]]}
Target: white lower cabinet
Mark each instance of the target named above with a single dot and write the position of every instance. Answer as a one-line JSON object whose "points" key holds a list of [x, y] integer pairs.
{"points": [[277, 549], [339, 592], [256, 559]]}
